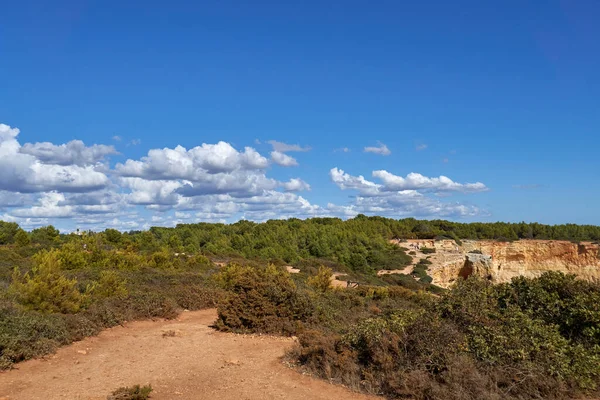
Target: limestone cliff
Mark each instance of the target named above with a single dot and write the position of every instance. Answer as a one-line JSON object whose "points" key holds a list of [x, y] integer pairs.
{"points": [[501, 261]]}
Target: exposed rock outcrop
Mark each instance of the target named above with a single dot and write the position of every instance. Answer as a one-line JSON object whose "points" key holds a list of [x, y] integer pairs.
{"points": [[477, 264], [501, 261]]}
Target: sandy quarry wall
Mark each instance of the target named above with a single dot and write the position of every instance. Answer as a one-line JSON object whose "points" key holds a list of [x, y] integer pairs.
{"points": [[501, 261]]}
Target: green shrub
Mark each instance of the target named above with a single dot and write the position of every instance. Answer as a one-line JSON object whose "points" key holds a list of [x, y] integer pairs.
{"points": [[427, 250], [420, 272], [25, 334], [199, 262], [162, 258], [8, 231], [9, 259], [22, 238], [322, 280], [390, 257], [522, 324], [125, 261], [310, 266], [562, 300], [45, 288], [110, 284], [71, 256], [45, 236], [405, 281], [113, 236]]}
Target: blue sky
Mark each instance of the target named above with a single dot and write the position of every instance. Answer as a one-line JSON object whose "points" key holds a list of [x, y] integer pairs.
{"points": [[505, 95]]}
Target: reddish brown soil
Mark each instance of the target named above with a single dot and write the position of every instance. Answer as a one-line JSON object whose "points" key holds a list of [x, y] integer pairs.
{"points": [[196, 363]]}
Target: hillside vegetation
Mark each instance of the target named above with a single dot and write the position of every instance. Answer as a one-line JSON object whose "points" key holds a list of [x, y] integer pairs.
{"points": [[395, 335]]}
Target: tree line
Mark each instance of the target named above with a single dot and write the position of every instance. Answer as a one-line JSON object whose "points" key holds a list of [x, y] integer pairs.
{"points": [[360, 243]]}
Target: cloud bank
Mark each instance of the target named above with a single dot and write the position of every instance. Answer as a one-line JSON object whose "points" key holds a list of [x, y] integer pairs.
{"points": [[75, 185]]}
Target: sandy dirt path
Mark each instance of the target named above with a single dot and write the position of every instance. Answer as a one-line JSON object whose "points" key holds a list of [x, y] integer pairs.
{"points": [[196, 363], [337, 283]]}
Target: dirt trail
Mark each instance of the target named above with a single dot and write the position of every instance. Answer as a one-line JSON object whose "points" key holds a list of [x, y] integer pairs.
{"points": [[196, 363], [337, 283]]}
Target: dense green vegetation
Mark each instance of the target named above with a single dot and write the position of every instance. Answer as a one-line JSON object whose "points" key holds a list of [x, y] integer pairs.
{"points": [[532, 338], [359, 244], [528, 339]]}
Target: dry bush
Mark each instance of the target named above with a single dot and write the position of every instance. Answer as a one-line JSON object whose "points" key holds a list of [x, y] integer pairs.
{"points": [[477, 341], [327, 357], [25, 334], [197, 296], [261, 300], [135, 392]]}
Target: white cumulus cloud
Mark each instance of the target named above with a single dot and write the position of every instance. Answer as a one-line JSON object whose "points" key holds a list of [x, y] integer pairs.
{"points": [[179, 163], [346, 181], [48, 207], [283, 159], [402, 197], [147, 192], [295, 185], [381, 149], [74, 152], [26, 173], [415, 181]]}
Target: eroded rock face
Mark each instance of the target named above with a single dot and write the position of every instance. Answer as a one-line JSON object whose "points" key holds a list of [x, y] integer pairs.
{"points": [[477, 264], [461, 265], [534, 257], [501, 261]]}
